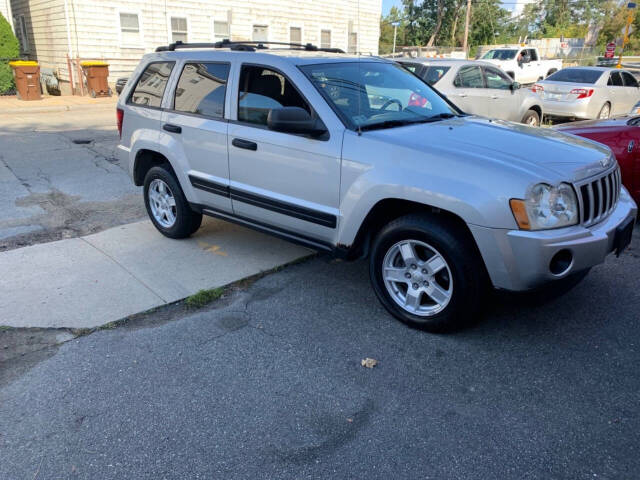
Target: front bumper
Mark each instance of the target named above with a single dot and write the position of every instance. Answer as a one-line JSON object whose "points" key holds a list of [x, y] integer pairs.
{"points": [[520, 260]]}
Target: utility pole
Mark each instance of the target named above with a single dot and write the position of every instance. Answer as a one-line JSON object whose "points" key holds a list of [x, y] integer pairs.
{"points": [[466, 27], [395, 32], [630, 6]]}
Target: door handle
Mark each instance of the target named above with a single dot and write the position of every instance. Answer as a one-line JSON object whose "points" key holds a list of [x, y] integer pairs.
{"points": [[463, 95], [246, 144], [172, 128]]}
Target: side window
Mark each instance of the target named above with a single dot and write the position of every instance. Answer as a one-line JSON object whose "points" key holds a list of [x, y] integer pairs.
{"points": [[412, 67], [533, 55], [615, 80], [261, 90], [469, 77], [201, 89], [151, 85], [496, 79], [629, 80]]}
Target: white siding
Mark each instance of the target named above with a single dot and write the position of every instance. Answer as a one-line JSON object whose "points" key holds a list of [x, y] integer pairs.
{"points": [[5, 11], [95, 26]]}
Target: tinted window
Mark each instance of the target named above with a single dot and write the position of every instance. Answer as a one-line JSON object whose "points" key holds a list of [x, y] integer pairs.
{"points": [[433, 74], [469, 77], [615, 79], [201, 89], [629, 80], [533, 55], [261, 90], [500, 54], [151, 85], [496, 79], [575, 75]]}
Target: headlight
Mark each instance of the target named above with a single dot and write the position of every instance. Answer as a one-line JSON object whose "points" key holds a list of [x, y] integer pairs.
{"points": [[636, 109], [546, 207]]}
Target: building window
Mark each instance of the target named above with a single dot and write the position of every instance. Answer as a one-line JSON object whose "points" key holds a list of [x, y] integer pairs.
{"points": [[21, 33], [129, 29], [352, 47], [295, 34], [220, 31], [179, 29], [325, 39], [260, 33]]}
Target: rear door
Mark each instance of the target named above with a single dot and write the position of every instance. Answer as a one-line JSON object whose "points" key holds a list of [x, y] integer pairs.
{"points": [[617, 92], [503, 102], [631, 90], [286, 181], [469, 91], [196, 121]]}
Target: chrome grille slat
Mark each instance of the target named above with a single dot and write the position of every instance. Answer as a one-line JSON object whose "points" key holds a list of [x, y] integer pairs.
{"points": [[598, 197]]}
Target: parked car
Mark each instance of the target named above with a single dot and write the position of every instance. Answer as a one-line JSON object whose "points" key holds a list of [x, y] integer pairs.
{"points": [[443, 204], [588, 92], [522, 63], [479, 88], [622, 136], [120, 83]]}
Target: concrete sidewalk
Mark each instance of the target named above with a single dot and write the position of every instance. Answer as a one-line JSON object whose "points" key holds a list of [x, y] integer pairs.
{"points": [[11, 104], [89, 281]]}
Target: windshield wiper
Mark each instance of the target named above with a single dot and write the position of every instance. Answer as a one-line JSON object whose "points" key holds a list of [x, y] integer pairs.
{"points": [[438, 117], [401, 123]]}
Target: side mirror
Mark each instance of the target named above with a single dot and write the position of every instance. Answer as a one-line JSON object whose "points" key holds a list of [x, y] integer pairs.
{"points": [[514, 86], [294, 120]]}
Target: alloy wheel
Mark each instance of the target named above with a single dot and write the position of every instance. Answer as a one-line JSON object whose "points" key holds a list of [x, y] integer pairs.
{"points": [[162, 203], [417, 277]]}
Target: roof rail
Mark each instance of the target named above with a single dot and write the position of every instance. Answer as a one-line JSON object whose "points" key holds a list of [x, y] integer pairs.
{"points": [[247, 46]]}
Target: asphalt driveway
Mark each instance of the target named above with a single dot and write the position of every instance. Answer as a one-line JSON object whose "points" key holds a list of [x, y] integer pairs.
{"points": [[268, 384]]}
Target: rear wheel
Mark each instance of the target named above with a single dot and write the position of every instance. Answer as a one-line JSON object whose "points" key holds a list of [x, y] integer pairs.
{"points": [[427, 273], [167, 206], [605, 111], [531, 118]]}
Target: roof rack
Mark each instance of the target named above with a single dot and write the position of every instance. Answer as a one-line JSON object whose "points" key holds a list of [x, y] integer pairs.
{"points": [[246, 46]]}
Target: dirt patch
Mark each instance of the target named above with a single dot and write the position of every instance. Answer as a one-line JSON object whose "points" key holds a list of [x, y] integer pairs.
{"points": [[66, 217]]}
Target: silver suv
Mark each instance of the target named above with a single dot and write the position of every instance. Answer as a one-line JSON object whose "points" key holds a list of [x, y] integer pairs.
{"points": [[298, 143]]}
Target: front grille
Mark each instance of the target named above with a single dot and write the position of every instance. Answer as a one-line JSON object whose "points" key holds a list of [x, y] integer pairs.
{"points": [[598, 197]]}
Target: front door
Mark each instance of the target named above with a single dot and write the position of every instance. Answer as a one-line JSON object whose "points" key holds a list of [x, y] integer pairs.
{"points": [[469, 92], [196, 121], [504, 103], [286, 181]]}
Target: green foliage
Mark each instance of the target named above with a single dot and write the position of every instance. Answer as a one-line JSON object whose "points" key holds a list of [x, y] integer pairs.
{"points": [[9, 48], [203, 297]]}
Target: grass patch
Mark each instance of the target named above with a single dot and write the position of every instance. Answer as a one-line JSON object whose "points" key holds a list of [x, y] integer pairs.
{"points": [[5, 327], [203, 297]]}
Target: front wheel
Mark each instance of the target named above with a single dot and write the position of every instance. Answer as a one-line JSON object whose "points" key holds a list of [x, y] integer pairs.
{"points": [[427, 273], [531, 118]]}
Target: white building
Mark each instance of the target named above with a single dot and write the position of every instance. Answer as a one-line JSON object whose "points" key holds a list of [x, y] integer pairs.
{"points": [[121, 31]]}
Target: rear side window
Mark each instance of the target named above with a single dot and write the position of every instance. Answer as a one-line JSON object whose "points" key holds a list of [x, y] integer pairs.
{"points": [[433, 74], [201, 89], [615, 79], [575, 75], [629, 80], [151, 85], [469, 77], [261, 90]]}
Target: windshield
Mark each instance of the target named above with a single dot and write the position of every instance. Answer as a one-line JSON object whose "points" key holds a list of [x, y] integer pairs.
{"points": [[501, 54], [376, 94], [575, 75]]}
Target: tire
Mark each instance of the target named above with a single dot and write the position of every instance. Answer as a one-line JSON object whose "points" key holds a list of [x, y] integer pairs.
{"points": [[531, 118], [605, 111], [170, 213], [462, 278]]}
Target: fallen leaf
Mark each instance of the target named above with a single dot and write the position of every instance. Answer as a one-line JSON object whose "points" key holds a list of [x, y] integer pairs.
{"points": [[369, 362]]}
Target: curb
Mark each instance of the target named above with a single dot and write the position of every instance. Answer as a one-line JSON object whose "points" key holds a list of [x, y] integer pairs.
{"points": [[56, 108]]}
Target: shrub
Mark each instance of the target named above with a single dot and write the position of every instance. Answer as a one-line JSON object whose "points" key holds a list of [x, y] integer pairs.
{"points": [[9, 48]]}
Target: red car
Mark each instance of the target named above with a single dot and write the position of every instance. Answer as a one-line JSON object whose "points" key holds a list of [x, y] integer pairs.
{"points": [[620, 134]]}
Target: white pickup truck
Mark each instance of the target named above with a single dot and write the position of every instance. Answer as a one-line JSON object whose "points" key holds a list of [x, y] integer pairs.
{"points": [[523, 64]]}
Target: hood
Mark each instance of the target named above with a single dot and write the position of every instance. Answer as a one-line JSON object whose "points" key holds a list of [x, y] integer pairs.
{"points": [[543, 153]]}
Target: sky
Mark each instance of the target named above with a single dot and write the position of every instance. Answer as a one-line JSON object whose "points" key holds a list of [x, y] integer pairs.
{"points": [[508, 4]]}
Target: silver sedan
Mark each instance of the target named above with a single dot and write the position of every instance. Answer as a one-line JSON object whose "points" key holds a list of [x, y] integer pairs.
{"points": [[588, 92], [479, 88]]}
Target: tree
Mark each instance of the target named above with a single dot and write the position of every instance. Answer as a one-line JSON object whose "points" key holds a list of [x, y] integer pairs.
{"points": [[9, 49]]}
